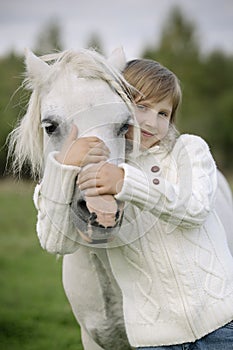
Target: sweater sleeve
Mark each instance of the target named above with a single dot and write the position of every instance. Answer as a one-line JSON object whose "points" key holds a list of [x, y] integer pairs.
{"points": [[52, 198], [185, 202]]}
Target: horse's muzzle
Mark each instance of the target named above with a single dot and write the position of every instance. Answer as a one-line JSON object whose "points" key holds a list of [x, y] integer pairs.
{"points": [[98, 219]]}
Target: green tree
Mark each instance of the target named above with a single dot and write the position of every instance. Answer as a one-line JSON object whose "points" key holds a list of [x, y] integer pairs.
{"points": [[95, 43], [178, 44], [13, 100], [178, 49], [206, 81], [49, 38], [217, 89]]}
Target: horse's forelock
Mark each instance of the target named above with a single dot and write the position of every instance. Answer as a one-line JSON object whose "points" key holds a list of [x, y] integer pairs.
{"points": [[88, 64]]}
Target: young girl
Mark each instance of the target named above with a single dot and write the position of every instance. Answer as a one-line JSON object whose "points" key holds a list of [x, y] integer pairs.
{"points": [[175, 270]]}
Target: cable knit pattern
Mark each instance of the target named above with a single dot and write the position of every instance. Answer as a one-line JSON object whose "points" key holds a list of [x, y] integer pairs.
{"points": [[185, 200], [52, 199], [172, 264], [179, 285]]}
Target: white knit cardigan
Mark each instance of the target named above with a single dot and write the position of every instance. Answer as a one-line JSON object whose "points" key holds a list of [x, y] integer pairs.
{"points": [[171, 259]]}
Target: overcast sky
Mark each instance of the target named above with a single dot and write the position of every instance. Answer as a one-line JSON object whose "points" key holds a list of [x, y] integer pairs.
{"points": [[130, 23]]}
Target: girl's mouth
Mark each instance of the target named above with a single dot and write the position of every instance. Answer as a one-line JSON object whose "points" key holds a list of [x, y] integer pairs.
{"points": [[146, 133]]}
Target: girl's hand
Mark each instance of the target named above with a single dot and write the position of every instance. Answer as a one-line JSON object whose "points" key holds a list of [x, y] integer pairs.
{"points": [[99, 179], [82, 151]]}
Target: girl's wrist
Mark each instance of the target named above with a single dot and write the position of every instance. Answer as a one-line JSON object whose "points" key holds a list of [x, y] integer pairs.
{"points": [[60, 158], [120, 182]]}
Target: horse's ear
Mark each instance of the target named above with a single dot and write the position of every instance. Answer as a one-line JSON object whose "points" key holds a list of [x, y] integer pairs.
{"points": [[117, 59], [37, 69]]}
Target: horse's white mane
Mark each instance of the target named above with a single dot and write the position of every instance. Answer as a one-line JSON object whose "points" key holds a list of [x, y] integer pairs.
{"points": [[86, 63], [26, 140]]}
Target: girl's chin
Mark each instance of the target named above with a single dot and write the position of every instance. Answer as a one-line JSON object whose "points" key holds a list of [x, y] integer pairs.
{"points": [[148, 143]]}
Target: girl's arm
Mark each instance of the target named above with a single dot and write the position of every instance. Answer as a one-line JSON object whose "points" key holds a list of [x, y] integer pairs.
{"points": [[52, 198], [186, 201], [53, 195]]}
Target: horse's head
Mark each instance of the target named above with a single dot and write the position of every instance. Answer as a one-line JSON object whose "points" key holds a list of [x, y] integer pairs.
{"points": [[79, 88]]}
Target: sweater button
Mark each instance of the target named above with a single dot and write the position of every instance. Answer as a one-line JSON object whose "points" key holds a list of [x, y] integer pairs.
{"points": [[155, 181], [155, 169]]}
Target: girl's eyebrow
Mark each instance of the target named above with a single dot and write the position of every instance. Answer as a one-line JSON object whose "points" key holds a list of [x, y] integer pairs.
{"points": [[169, 110], [144, 103]]}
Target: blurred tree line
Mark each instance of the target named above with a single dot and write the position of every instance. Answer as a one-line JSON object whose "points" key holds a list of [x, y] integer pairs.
{"points": [[206, 80], [207, 84]]}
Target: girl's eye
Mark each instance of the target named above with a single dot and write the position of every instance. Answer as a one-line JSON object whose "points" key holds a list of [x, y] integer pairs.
{"points": [[163, 114], [141, 107]]}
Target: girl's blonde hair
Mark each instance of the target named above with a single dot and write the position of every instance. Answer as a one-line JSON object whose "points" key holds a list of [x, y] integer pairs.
{"points": [[153, 82]]}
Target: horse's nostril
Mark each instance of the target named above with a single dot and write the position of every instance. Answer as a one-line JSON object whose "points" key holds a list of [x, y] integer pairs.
{"points": [[92, 218], [82, 205], [117, 215]]}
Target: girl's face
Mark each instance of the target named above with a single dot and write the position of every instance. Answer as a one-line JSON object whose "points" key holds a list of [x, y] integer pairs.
{"points": [[153, 120]]}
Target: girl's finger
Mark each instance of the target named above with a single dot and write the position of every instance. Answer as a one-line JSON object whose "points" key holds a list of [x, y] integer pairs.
{"points": [[99, 144], [73, 134], [92, 192], [98, 159], [93, 141], [98, 152], [87, 175], [88, 184]]}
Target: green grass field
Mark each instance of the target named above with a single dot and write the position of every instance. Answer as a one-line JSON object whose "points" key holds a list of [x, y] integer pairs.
{"points": [[34, 311]]}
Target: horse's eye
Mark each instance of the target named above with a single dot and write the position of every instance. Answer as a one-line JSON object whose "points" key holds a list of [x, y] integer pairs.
{"points": [[50, 127], [123, 129]]}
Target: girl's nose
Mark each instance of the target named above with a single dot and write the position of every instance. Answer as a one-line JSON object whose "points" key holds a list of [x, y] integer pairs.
{"points": [[152, 121]]}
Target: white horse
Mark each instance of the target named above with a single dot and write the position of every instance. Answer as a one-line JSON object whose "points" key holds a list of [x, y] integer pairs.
{"points": [[83, 88]]}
